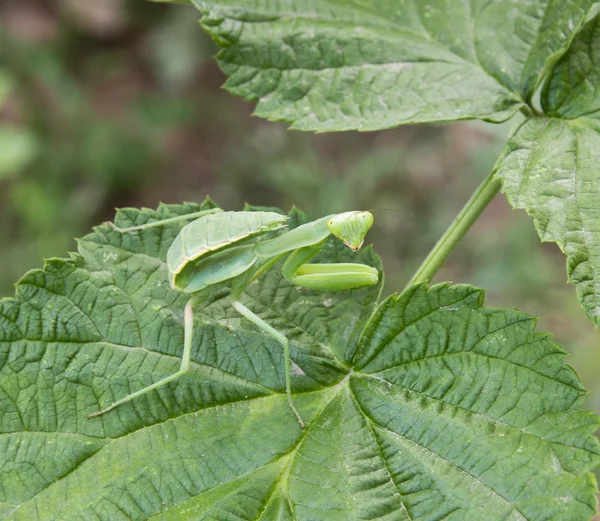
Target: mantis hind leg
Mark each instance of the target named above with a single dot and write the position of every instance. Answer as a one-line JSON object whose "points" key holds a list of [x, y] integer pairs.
{"points": [[184, 368], [244, 311], [162, 222]]}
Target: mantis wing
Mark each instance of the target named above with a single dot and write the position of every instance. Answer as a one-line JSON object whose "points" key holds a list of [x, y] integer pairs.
{"points": [[219, 231], [215, 268]]}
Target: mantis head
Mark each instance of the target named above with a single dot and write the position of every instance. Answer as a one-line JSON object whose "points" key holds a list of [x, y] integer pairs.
{"points": [[351, 227]]}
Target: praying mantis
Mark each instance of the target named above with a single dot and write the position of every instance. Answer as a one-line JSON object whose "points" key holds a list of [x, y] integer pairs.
{"points": [[238, 247]]}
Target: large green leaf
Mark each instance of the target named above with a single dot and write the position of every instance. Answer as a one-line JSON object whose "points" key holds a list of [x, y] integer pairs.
{"points": [[428, 407], [349, 64]]}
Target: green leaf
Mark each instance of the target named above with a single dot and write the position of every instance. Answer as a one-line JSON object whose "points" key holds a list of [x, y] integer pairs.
{"points": [[572, 91], [560, 23], [428, 407], [343, 64], [550, 168]]}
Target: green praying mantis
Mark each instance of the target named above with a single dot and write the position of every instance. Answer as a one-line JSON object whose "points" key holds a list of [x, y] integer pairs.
{"points": [[238, 247]]}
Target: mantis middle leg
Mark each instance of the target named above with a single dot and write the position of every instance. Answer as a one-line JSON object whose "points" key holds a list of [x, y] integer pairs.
{"points": [[326, 277], [184, 368], [255, 319]]}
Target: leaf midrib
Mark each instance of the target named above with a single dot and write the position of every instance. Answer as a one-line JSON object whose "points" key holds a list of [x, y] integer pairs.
{"points": [[483, 355], [379, 314], [435, 454], [192, 362], [339, 387], [490, 419], [324, 348], [291, 453], [380, 452], [381, 24]]}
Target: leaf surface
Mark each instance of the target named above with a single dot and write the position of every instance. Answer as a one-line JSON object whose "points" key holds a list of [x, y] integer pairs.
{"points": [[550, 168], [346, 64], [429, 406], [550, 164], [572, 91]]}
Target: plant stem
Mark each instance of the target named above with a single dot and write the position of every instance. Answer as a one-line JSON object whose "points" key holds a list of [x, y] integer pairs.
{"points": [[456, 231]]}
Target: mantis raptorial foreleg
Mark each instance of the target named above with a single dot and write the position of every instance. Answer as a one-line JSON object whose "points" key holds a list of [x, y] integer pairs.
{"points": [[170, 220], [188, 325], [334, 277]]}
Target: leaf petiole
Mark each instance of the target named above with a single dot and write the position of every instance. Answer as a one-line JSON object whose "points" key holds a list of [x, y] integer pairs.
{"points": [[485, 192]]}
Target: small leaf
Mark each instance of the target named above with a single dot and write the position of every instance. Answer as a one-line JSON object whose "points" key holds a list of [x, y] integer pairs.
{"points": [[550, 168], [429, 406]]}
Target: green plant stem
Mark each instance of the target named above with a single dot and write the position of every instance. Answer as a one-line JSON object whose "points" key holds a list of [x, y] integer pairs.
{"points": [[456, 231]]}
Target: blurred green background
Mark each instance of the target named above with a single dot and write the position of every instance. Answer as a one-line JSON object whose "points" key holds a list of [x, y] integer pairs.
{"points": [[118, 103]]}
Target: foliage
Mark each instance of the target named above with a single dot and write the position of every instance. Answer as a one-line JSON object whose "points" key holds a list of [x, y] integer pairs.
{"points": [[429, 405], [324, 65], [550, 168], [425, 405]]}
